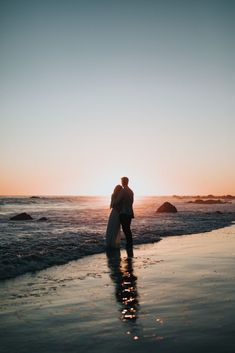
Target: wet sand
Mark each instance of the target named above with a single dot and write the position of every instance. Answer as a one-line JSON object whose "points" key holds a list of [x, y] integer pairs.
{"points": [[176, 295]]}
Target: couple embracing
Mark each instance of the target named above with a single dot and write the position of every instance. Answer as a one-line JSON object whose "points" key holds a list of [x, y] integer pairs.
{"points": [[120, 216]]}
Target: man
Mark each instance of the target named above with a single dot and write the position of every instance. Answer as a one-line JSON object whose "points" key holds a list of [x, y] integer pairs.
{"points": [[124, 202]]}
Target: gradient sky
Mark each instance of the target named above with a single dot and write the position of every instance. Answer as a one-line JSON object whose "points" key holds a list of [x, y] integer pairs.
{"points": [[94, 90]]}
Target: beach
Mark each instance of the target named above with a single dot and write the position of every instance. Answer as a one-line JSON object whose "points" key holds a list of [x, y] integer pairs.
{"points": [[176, 295], [75, 227], [117, 127]]}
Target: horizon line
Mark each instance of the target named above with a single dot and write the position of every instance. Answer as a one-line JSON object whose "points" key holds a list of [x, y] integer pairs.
{"points": [[104, 195]]}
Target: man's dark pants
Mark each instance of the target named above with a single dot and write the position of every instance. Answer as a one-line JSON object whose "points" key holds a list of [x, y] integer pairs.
{"points": [[125, 221]]}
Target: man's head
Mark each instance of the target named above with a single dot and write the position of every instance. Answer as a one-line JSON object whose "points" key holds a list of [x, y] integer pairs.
{"points": [[125, 181]]}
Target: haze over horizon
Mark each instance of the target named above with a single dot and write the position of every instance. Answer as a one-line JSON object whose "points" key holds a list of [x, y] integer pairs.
{"points": [[95, 90]]}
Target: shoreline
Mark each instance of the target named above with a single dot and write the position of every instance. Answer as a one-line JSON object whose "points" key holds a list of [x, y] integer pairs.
{"points": [[74, 228], [181, 298], [77, 250]]}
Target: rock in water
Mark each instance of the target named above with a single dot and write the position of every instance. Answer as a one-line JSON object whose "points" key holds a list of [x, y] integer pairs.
{"points": [[21, 217], [167, 207], [43, 219]]}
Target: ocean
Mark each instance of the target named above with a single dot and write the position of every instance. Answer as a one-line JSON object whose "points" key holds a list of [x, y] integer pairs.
{"points": [[76, 225]]}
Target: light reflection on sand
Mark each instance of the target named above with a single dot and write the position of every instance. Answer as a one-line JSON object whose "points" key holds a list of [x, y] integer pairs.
{"points": [[122, 274], [126, 293]]}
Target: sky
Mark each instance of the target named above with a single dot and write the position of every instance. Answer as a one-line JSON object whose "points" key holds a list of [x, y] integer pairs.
{"points": [[95, 90]]}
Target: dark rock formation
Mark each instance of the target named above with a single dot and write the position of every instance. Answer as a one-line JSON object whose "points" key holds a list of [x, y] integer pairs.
{"points": [[205, 197], [208, 202], [228, 197], [167, 207], [21, 217], [42, 219]]}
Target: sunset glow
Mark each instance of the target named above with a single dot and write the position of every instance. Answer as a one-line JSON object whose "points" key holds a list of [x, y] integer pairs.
{"points": [[92, 92]]}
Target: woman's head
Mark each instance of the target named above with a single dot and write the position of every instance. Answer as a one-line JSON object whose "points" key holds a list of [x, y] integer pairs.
{"points": [[117, 189]]}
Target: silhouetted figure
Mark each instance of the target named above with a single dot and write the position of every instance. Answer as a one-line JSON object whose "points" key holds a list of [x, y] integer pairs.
{"points": [[113, 235], [124, 202]]}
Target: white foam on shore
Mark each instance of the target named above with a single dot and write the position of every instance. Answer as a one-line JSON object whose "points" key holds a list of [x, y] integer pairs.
{"points": [[76, 227]]}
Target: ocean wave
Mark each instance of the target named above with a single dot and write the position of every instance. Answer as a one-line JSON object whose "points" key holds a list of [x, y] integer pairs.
{"points": [[77, 227]]}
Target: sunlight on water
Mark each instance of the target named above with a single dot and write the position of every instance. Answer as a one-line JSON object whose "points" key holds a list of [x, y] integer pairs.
{"points": [[76, 226]]}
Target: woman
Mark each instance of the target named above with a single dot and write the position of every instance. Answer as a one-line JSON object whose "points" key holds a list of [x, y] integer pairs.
{"points": [[113, 235]]}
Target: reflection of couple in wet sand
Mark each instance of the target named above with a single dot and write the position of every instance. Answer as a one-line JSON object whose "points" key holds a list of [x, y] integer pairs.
{"points": [[120, 216], [121, 272]]}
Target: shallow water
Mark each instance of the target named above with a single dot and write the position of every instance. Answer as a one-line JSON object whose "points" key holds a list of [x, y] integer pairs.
{"points": [[76, 227], [173, 296]]}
